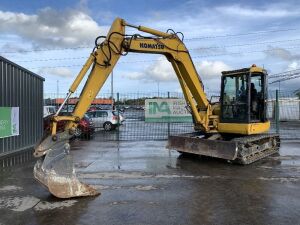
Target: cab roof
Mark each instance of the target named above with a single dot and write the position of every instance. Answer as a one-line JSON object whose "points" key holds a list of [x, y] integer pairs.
{"points": [[244, 70]]}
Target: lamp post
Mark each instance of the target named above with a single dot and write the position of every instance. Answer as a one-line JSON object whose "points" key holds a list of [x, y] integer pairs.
{"points": [[112, 89]]}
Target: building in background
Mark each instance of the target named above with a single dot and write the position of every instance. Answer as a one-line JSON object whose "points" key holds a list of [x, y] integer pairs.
{"points": [[73, 101]]}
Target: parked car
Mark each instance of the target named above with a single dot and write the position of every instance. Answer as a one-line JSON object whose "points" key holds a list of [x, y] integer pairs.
{"points": [[68, 108], [92, 108], [107, 119], [85, 127], [48, 110]]}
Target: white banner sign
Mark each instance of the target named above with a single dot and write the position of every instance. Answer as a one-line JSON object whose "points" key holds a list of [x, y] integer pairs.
{"points": [[166, 111]]}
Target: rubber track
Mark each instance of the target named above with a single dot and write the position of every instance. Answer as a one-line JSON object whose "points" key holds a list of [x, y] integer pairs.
{"points": [[243, 158]]}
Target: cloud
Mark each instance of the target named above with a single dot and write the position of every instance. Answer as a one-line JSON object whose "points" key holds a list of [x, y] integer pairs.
{"points": [[162, 71], [270, 11], [196, 19], [294, 66], [281, 53], [292, 61], [13, 47], [134, 75], [212, 50], [210, 73], [51, 27], [211, 69], [59, 72]]}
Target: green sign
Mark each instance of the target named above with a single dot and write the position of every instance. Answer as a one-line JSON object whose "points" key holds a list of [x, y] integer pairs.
{"points": [[9, 121], [166, 111]]}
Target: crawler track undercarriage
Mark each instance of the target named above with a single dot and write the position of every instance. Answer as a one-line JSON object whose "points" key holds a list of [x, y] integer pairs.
{"points": [[241, 150]]}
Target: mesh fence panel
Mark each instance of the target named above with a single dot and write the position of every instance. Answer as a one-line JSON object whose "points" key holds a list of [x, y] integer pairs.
{"points": [[289, 114], [132, 108]]}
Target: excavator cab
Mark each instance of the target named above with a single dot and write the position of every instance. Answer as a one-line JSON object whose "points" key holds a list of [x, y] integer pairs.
{"points": [[243, 125], [243, 101]]}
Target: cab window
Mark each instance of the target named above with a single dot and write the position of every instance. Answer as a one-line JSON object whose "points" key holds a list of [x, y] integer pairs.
{"points": [[257, 103], [234, 99]]}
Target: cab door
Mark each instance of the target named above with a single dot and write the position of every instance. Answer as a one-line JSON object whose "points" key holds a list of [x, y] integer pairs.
{"points": [[235, 98], [258, 97]]}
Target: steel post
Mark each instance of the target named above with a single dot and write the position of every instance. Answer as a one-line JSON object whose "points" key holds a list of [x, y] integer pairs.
{"points": [[117, 107], [277, 112], [169, 118]]}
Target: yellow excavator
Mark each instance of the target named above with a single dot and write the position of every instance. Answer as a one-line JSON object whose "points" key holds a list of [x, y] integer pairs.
{"points": [[234, 129]]}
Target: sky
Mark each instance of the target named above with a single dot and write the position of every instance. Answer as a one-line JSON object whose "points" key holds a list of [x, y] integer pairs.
{"points": [[54, 38]]}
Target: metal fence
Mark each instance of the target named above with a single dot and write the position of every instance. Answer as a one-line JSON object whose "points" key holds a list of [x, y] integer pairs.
{"points": [[132, 106], [287, 108], [23, 89]]}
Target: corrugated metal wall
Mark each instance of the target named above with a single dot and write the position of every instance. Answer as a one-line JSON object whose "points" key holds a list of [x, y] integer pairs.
{"points": [[21, 88]]}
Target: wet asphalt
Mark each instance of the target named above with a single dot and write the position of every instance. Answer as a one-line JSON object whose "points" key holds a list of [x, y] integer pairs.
{"points": [[144, 183]]}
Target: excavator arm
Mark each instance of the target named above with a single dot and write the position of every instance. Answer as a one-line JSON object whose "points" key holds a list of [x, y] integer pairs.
{"points": [[106, 55]]}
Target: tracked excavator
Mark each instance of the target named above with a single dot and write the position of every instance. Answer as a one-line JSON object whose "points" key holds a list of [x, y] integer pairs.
{"points": [[236, 128]]}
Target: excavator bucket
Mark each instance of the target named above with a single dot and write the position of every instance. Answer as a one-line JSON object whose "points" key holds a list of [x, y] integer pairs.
{"points": [[56, 172]]}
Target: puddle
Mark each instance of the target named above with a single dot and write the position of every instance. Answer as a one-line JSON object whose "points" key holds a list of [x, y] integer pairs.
{"points": [[18, 204], [145, 188], [138, 187], [118, 203], [54, 205], [135, 175], [280, 179], [10, 188]]}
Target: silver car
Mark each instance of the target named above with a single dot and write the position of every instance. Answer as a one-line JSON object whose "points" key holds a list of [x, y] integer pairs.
{"points": [[107, 119]]}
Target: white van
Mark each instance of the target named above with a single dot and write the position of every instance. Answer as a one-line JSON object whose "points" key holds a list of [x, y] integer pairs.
{"points": [[48, 110]]}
